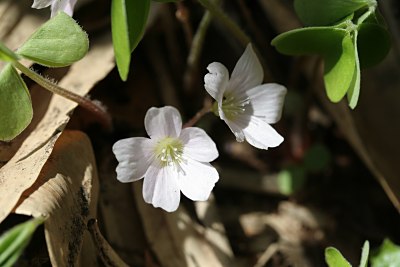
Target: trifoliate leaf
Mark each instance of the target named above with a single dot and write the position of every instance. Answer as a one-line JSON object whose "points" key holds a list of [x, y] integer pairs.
{"points": [[364, 255], [339, 69], [14, 241], [388, 255], [334, 258], [6, 54], [15, 104], [57, 43], [128, 21], [327, 12]]}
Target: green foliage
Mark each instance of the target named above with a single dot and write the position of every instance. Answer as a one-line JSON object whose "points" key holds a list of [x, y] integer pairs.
{"points": [[14, 241], [128, 21], [344, 34], [6, 54], [387, 255], [57, 43], [291, 179], [15, 104], [334, 258], [327, 12]]}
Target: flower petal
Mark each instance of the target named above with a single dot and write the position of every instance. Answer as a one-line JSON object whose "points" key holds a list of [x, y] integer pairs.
{"points": [[267, 101], [134, 156], [66, 6], [216, 80], [161, 189], [41, 3], [197, 179], [247, 73], [198, 145], [260, 134], [236, 130], [163, 122]]}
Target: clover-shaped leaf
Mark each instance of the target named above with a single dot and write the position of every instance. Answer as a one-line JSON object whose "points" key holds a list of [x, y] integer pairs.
{"points": [[15, 104], [327, 12], [57, 43], [128, 21]]}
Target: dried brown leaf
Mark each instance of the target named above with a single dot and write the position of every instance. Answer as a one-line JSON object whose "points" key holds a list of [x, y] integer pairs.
{"points": [[66, 192]]}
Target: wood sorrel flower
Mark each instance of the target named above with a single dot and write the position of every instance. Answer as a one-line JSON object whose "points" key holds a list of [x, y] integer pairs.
{"points": [[171, 160], [56, 5], [246, 105]]}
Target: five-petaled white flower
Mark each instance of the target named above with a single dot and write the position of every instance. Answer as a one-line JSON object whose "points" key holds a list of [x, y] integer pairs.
{"points": [[246, 105], [171, 160], [56, 5]]}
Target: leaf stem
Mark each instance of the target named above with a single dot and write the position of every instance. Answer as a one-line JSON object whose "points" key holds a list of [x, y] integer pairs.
{"points": [[206, 109], [84, 102]]}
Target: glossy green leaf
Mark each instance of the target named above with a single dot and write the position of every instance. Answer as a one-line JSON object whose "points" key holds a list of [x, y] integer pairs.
{"points": [[388, 255], [327, 12], [339, 69], [334, 258], [6, 54], [364, 255], [57, 43], [354, 90], [15, 104], [14, 241], [309, 40], [373, 44], [128, 21]]}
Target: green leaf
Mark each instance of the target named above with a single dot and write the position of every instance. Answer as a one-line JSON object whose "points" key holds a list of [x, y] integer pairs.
{"points": [[6, 54], [309, 40], [339, 69], [291, 179], [15, 104], [327, 12], [128, 21], [354, 90], [388, 255], [14, 241], [364, 255], [373, 44], [334, 258], [57, 43]]}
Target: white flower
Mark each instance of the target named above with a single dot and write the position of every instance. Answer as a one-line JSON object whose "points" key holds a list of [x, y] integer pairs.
{"points": [[247, 106], [171, 160], [56, 5]]}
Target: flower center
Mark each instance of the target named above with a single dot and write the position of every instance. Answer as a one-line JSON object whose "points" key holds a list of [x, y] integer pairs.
{"points": [[233, 106], [169, 151]]}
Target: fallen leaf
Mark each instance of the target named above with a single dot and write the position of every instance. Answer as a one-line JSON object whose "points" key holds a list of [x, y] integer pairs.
{"points": [[66, 192]]}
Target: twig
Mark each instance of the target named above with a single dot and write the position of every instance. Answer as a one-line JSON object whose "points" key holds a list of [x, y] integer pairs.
{"points": [[206, 108], [267, 255], [107, 254], [182, 14]]}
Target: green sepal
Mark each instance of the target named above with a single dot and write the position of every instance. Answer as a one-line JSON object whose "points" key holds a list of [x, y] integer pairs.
{"points": [[15, 104], [128, 21], [57, 43]]}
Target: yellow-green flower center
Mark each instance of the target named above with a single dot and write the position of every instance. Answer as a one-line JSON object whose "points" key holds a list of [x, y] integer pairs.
{"points": [[232, 106], [169, 151]]}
